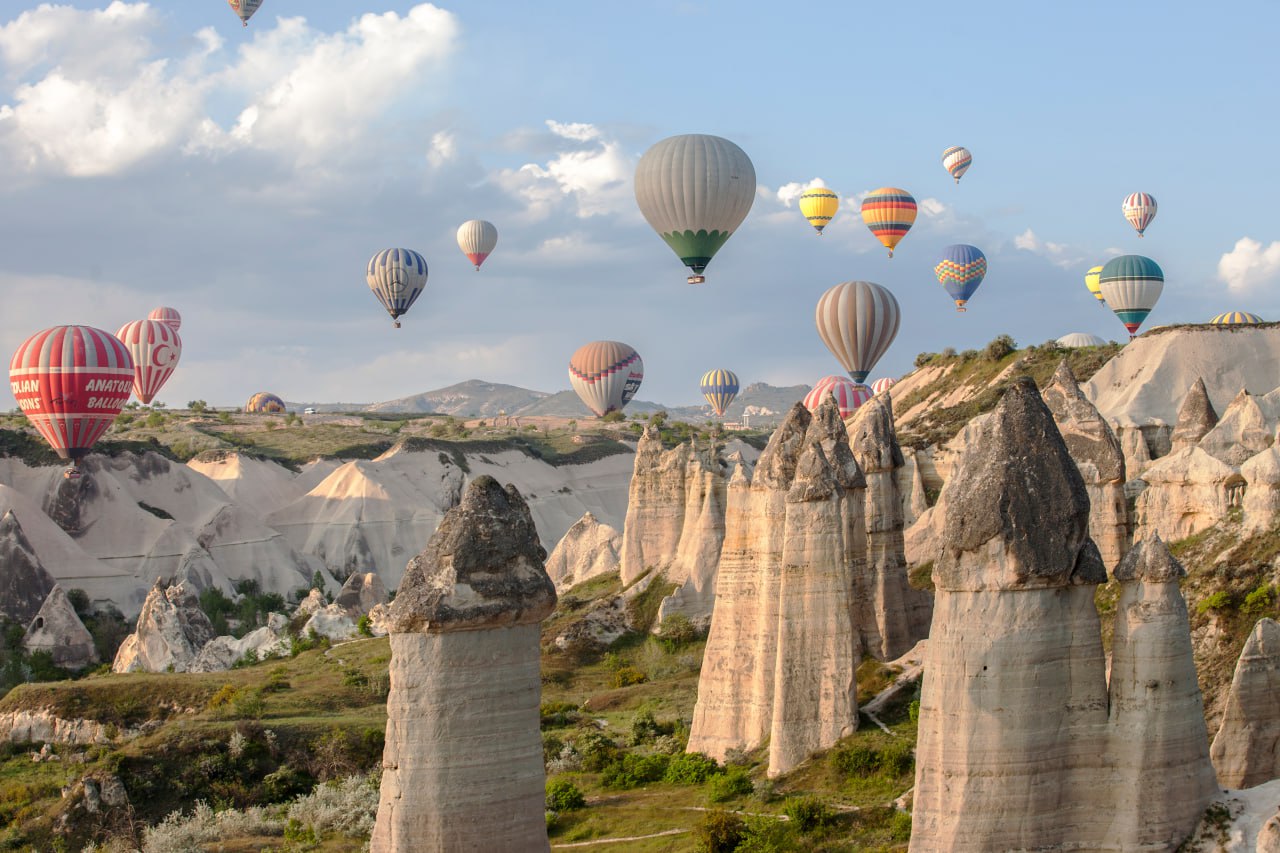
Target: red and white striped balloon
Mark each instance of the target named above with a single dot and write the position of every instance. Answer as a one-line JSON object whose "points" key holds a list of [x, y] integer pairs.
{"points": [[155, 348], [884, 383], [169, 316], [849, 394], [71, 382]]}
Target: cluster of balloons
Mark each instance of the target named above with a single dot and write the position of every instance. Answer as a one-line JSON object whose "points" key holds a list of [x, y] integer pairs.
{"points": [[397, 277], [72, 382]]}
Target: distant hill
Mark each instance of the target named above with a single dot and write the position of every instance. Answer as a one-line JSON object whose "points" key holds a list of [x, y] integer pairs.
{"points": [[473, 398]]}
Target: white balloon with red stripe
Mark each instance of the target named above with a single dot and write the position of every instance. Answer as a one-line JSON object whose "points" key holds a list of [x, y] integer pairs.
{"points": [[884, 383], [169, 316], [155, 349], [849, 394], [71, 382]]}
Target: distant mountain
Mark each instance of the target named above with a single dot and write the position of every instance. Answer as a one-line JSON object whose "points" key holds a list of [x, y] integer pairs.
{"points": [[765, 403], [566, 404], [473, 398]]}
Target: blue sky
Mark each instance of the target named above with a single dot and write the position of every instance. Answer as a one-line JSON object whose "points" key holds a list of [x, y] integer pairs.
{"points": [[163, 154]]}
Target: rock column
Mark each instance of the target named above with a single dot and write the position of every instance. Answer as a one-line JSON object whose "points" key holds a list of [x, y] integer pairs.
{"points": [[462, 769], [1246, 750]]}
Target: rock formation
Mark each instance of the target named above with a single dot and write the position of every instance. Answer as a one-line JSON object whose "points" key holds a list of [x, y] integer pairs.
{"points": [[1016, 750], [1246, 750], [462, 768], [1196, 416], [1137, 456], [1098, 456], [171, 631], [57, 629], [589, 549], [1186, 492], [1262, 490], [1242, 432], [24, 583], [222, 653], [361, 592]]}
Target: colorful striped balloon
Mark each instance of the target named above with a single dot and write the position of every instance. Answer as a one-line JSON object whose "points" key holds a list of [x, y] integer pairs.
{"points": [[1132, 285], [1139, 209], [1095, 286], [155, 349], [264, 402], [244, 9], [71, 382], [849, 395], [858, 320], [889, 212], [606, 375], [819, 206], [960, 271], [956, 160], [169, 316], [477, 239], [884, 383], [397, 277], [719, 387], [1234, 318]]}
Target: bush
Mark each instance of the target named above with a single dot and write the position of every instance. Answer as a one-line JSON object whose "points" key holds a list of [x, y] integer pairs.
{"points": [[719, 832], [856, 759], [627, 676], [1259, 601], [734, 782], [364, 626], [690, 768], [924, 358], [645, 728], [1220, 600], [676, 632], [808, 813], [631, 771], [613, 417], [597, 750], [564, 796], [999, 347]]}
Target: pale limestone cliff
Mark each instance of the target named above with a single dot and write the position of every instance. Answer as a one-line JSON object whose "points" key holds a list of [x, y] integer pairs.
{"points": [[1242, 432], [701, 538], [589, 549], [462, 767], [57, 629], [1097, 454], [1262, 490], [1246, 750], [911, 486], [1187, 491], [1196, 416], [171, 631], [655, 507], [24, 583]]}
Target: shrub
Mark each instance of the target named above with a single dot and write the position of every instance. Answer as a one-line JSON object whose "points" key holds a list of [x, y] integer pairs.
{"points": [[676, 632], [913, 710], [627, 676], [364, 626], [923, 358], [734, 782], [347, 806], [808, 813], [613, 417], [855, 760], [597, 750], [645, 728], [1259, 601], [1220, 600], [564, 796], [690, 768], [999, 347], [631, 771], [719, 832]]}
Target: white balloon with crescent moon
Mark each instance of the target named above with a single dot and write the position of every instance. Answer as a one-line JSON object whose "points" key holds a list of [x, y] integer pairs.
{"points": [[155, 348]]}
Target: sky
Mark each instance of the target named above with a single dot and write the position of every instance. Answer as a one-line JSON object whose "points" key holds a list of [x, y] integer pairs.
{"points": [[159, 153]]}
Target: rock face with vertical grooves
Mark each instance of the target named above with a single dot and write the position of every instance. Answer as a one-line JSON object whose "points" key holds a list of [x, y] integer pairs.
{"points": [[1097, 454], [1017, 750], [24, 583], [462, 767], [1246, 750], [1196, 416]]}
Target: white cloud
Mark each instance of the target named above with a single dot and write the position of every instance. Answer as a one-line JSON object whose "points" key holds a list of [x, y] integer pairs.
{"points": [[576, 131], [72, 40], [593, 180], [932, 208], [444, 147], [1059, 254], [790, 193], [1249, 266]]}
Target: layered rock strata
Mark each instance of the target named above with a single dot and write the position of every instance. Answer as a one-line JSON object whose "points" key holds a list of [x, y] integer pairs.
{"points": [[1246, 750], [462, 768]]}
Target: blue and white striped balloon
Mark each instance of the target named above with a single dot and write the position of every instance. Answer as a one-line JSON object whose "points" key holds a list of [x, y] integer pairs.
{"points": [[397, 277]]}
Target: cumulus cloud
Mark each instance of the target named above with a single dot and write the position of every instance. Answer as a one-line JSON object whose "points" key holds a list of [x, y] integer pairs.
{"points": [[1059, 254], [933, 208], [444, 147], [593, 179], [790, 193], [1250, 266]]}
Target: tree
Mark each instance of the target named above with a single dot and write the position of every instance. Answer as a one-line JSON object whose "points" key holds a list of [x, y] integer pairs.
{"points": [[198, 406]]}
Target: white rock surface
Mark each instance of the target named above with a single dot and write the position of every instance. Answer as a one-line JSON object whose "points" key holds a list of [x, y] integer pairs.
{"points": [[24, 583], [1242, 432], [171, 631], [258, 484], [1187, 491], [587, 550], [1246, 750], [1261, 500], [222, 653], [57, 629]]}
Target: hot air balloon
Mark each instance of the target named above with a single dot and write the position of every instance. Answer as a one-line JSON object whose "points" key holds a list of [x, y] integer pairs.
{"points": [[476, 239], [1131, 284], [819, 205], [264, 402], [606, 375], [858, 320], [960, 271], [71, 382], [396, 277], [1091, 282], [169, 316], [719, 387], [695, 190], [244, 9], [884, 383], [849, 395], [1236, 318], [1080, 339], [889, 213], [1139, 209], [155, 349], [956, 160]]}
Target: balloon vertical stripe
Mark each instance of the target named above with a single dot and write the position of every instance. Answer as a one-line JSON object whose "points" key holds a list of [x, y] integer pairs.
{"points": [[1139, 209], [849, 395], [155, 348], [858, 321], [719, 387]]}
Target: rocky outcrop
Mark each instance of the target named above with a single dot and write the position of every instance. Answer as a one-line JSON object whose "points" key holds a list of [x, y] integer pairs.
{"points": [[655, 507], [1246, 750], [915, 500], [1196, 416], [361, 592], [1097, 454], [42, 725], [171, 631], [313, 601], [1137, 456], [1187, 491], [24, 583], [1262, 490], [1016, 750], [701, 538], [462, 767], [1242, 432], [57, 629], [222, 653], [589, 549]]}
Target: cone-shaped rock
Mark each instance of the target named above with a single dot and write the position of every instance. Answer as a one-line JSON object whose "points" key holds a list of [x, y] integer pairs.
{"points": [[1243, 431], [1246, 750], [588, 549], [171, 631], [24, 583], [1196, 416], [57, 629], [1187, 491], [361, 592], [462, 767]]}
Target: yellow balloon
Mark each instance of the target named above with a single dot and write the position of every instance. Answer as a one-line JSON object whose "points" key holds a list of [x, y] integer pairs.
{"points": [[819, 206], [1092, 281]]}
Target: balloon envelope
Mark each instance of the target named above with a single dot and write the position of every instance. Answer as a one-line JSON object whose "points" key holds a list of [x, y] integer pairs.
{"points": [[1080, 339], [719, 387], [1095, 286], [264, 402], [477, 239], [957, 160], [960, 271], [1139, 209], [819, 205], [1131, 285], [155, 349], [858, 320], [849, 394], [889, 212], [169, 316], [71, 382], [244, 9], [1233, 318], [606, 375], [397, 277], [695, 190], [884, 383]]}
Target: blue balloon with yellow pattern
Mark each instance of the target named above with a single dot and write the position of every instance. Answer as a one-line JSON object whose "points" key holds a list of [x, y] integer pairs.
{"points": [[719, 387], [960, 271]]}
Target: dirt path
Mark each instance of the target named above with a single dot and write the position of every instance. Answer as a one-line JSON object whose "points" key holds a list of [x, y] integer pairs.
{"points": [[595, 841]]}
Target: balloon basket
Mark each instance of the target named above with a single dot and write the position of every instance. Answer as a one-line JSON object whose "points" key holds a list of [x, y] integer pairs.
{"points": [[697, 279], [396, 324], [72, 473]]}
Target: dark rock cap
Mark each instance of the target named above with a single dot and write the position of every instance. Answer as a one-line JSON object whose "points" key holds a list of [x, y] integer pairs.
{"points": [[483, 568], [777, 464], [1017, 484], [1088, 436], [872, 436], [815, 478], [1196, 416], [24, 582], [1151, 562], [827, 430]]}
